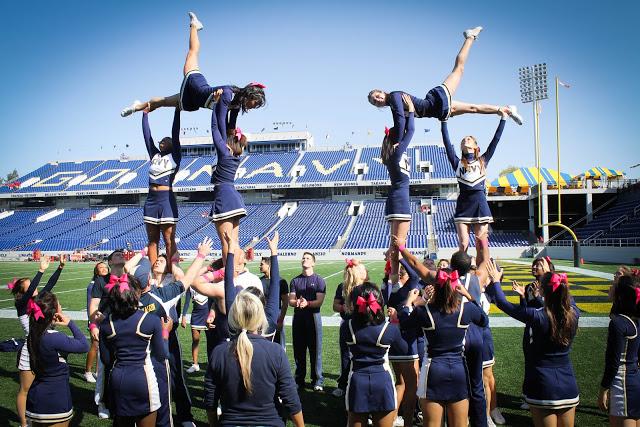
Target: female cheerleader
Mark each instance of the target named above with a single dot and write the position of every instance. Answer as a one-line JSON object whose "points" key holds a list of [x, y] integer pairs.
{"points": [[228, 206], [549, 388], [160, 212], [126, 336], [49, 400], [355, 274], [620, 386], [101, 270], [444, 321], [397, 208], [405, 365], [369, 337], [24, 291], [195, 92], [472, 207], [438, 102], [198, 322], [249, 373]]}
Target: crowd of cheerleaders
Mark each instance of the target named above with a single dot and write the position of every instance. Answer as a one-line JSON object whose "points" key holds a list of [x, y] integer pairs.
{"points": [[435, 329]]}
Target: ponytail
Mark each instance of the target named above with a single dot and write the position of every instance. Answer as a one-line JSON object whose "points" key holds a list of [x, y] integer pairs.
{"points": [[40, 318], [557, 305], [355, 274], [387, 149], [246, 314]]}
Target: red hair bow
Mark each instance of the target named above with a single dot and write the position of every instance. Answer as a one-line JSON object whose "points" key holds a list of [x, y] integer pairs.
{"points": [[386, 131], [349, 262], [634, 272], [557, 279], [548, 259], [238, 134], [33, 309], [443, 276], [256, 84], [122, 282], [370, 302], [12, 283], [387, 267], [637, 296]]}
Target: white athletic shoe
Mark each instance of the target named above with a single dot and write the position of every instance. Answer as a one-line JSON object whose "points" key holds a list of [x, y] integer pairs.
{"points": [[337, 392], [103, 412], [515, 115], [188, 424], [195, 22], [318, 387], [524, 406], [497, 416], [130, 109], [193, 368], [88, 376], [472, 32], [398, 422], [490, 422]]}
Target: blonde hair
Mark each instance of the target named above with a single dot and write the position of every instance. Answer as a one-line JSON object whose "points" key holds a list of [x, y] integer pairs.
{"points": [[354, 275], [476, 151], [246, 314]]}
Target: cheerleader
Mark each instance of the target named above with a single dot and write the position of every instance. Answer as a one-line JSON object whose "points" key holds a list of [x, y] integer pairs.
{"points": [[620, 385], [49, 400], [444, 380], [397, 207], [198, 322], [369, 337], [195, 92], [160, 211], [355, 274], [406, 364], [438, 102], [24, 291], [126, 336], [550, 388], [228, 206], [249, 373], [472, 207], [101, 270]]}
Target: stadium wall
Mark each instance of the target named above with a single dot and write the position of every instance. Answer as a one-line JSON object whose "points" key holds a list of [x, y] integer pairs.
{"points": [[295, 254], [628, 255]]}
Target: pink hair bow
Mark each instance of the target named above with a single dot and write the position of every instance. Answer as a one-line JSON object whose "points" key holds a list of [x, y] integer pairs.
{"points": [[238, 133], [443, 276], [12, 283], [637, 296], [122, 282], [33, 309], [558, 279], [370, 302], [256, 84], [635, 272], [349, 262], [548, 259], [386, 131]]}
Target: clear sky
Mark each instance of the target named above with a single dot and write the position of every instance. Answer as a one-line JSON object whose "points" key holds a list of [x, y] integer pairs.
{"points": [[69, 68]]}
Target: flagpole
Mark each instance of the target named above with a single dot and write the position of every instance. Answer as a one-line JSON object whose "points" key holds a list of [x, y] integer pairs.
{"points": [[558, 146]]}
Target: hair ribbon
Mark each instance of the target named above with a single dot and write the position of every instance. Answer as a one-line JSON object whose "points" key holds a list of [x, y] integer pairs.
{"points": [[558, 279], [370, 302], [34, 309], [122, 282], [443, 276]]}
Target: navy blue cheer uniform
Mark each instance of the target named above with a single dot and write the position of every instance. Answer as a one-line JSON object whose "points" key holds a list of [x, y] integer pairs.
{"points": [[161, 302], [371, 387], [306, 328], [196, 93], [227, 202], [472, 206], [549, 380], [444, 375], [126, 344], [345, 359], [271, 296], [160, 206], [270, 378], [621, 374], [410, 333], [283, 290], [473, 353], [436, 104], [49, 398], [200, 311], [397, 206], [21, 309]]}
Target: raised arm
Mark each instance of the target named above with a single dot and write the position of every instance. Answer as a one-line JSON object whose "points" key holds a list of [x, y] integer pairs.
{"points": [[175, 137], [229, 286], [204, 249], [426, 274], [413, 276], [219, 137], [518, 312], [148, 140], [397, 110], [44, 264], [272, 310], [494, 142], [222, 108], [55, 276], [448, 147], [405, 139]]}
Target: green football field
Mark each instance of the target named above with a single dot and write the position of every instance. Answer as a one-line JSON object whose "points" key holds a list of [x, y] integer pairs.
{"points": [[322, 409]]}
